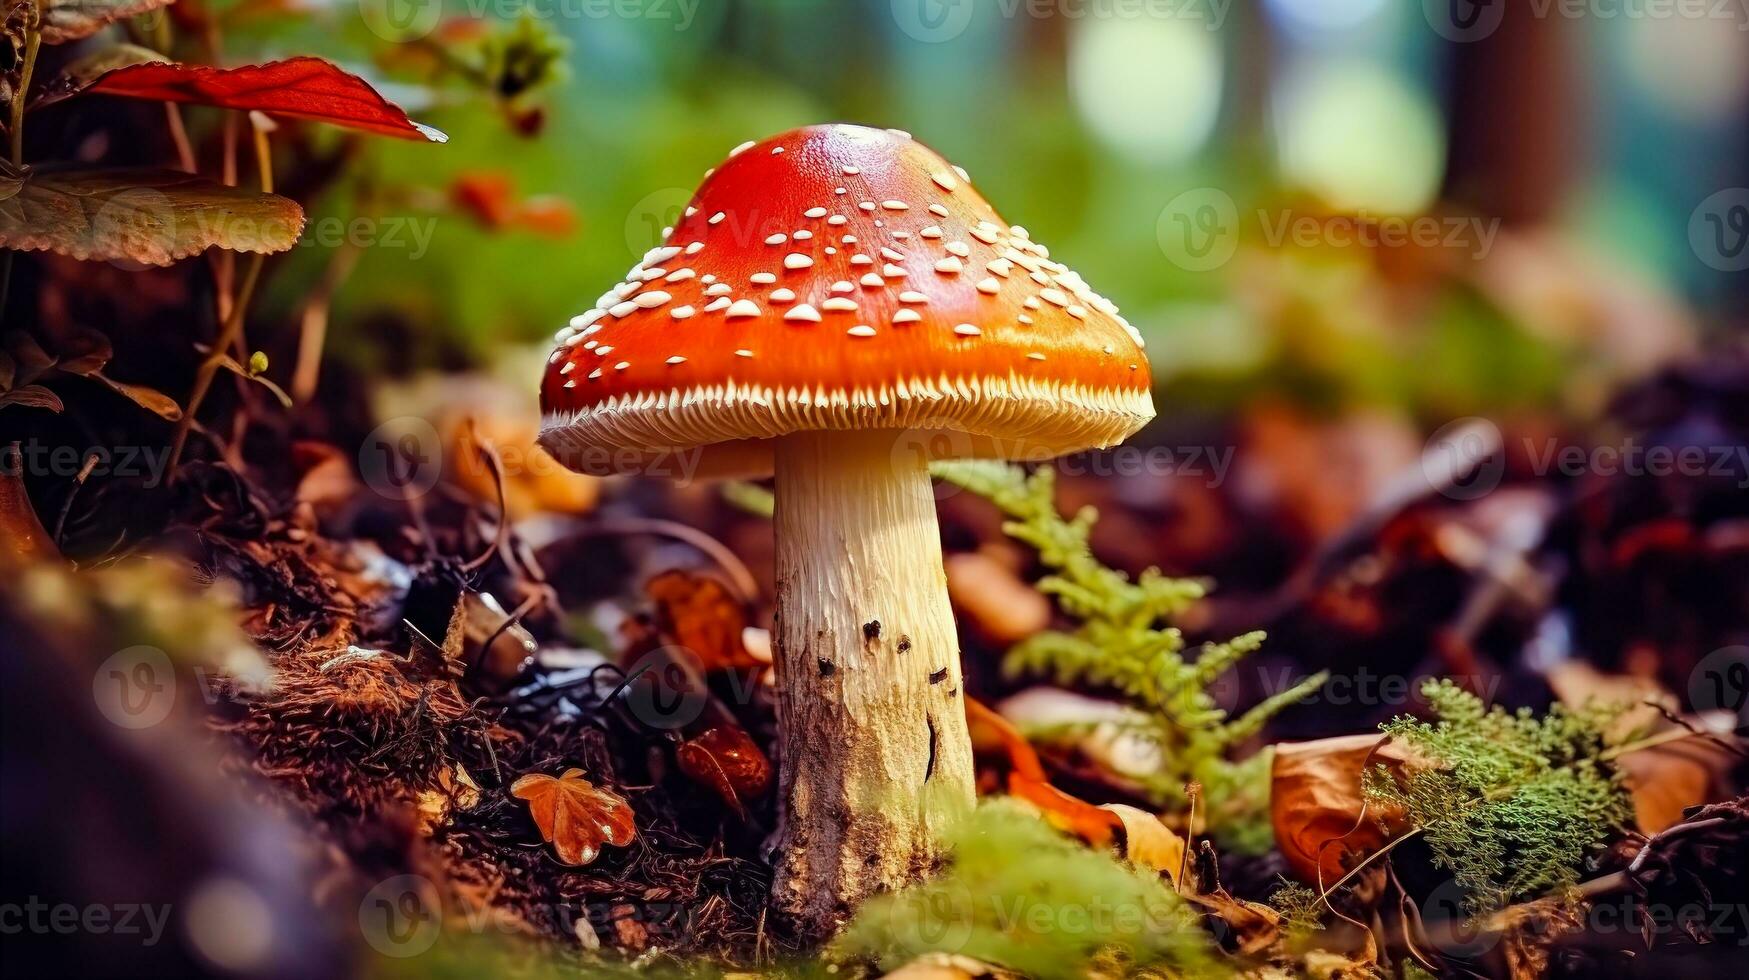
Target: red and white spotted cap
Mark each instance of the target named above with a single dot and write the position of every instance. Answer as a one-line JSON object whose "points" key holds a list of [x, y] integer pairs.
{"points": [[840, 277]]}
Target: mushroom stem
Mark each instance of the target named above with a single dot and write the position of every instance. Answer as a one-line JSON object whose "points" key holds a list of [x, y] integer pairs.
{"points": [[874, 760]]}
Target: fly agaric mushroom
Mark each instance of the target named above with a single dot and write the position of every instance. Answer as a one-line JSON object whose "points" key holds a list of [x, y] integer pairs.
{"points": [[838, 305]]}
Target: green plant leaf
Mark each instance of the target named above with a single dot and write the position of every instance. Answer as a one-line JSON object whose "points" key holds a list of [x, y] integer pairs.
{"points": [[152, 217]]}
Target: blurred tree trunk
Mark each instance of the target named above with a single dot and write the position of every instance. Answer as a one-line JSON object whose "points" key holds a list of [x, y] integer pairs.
{"points": [[1517, 112]]}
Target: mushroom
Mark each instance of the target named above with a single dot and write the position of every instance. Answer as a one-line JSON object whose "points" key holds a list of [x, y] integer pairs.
{"points": [[838, 306]]}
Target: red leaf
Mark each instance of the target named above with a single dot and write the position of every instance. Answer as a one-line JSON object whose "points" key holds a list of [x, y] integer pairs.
{"points": [[726, 759], [302, 88]]}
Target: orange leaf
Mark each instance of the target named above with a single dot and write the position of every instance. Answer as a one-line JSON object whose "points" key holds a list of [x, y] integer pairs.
{"points": [[1316, 806], [302, 88], [574, 816], [698, 613], [726, 759], [1026, 778]]}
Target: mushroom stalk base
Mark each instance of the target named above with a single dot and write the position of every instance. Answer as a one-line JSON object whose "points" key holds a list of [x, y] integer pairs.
{"points": [[875, 761]]}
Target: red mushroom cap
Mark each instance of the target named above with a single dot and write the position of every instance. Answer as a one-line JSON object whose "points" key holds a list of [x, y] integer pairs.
{"points": [[840, 277]]}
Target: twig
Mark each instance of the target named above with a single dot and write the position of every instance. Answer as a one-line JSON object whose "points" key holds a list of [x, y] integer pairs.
{"points": [[209, 368], [67, 505], [740, 578]]}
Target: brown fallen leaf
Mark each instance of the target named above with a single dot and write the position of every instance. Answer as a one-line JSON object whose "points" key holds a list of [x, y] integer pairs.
{"points": [[1148, 842], [698, 613], [1316, 806], [726, 759], [574, 815]]}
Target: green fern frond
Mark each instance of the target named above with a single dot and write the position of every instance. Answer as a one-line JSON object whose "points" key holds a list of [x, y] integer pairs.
{"points": [[1124, 641]]}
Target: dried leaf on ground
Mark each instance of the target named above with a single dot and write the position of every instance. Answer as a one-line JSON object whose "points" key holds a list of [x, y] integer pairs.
{"points": [[574, 816], [1148, 842], [726, 759], [1316, 805], [302, 88], [152, 217], [698, 613]]}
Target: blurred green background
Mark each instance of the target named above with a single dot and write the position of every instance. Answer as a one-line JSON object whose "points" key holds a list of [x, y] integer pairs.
{"points": [[1568, 160]]}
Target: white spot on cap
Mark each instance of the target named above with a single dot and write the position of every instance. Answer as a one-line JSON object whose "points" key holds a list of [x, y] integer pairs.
{"points": [[719, 289], [989, 285], [1053, 296], [895, 205], [676, 359], [1035, 356], [626, 308], [763, 278], [870, 279], [938, 210], [838, 220], [803, 235], [594, 374], [621, 366], [933, 231], [652, 299], [892, 270], [949, 266], [861, 259], [783, 295], [796, 260], [861, 330], [804, 313], [958, 248], [906, 316], [912, 296], [680, 275], [945, 181], [777, 239], [743, 308], [852, 171], [718, 217], [814, 212], [962, 172], [743, 352], [843, 286], [681, 312], [737, 151], [838, 304], [695, 248], [892, 254], [720, 303], [966, 330]]}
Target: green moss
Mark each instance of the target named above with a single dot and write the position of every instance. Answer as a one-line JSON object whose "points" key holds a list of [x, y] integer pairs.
{"points": [[1018, 894], [1512, 803]]}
